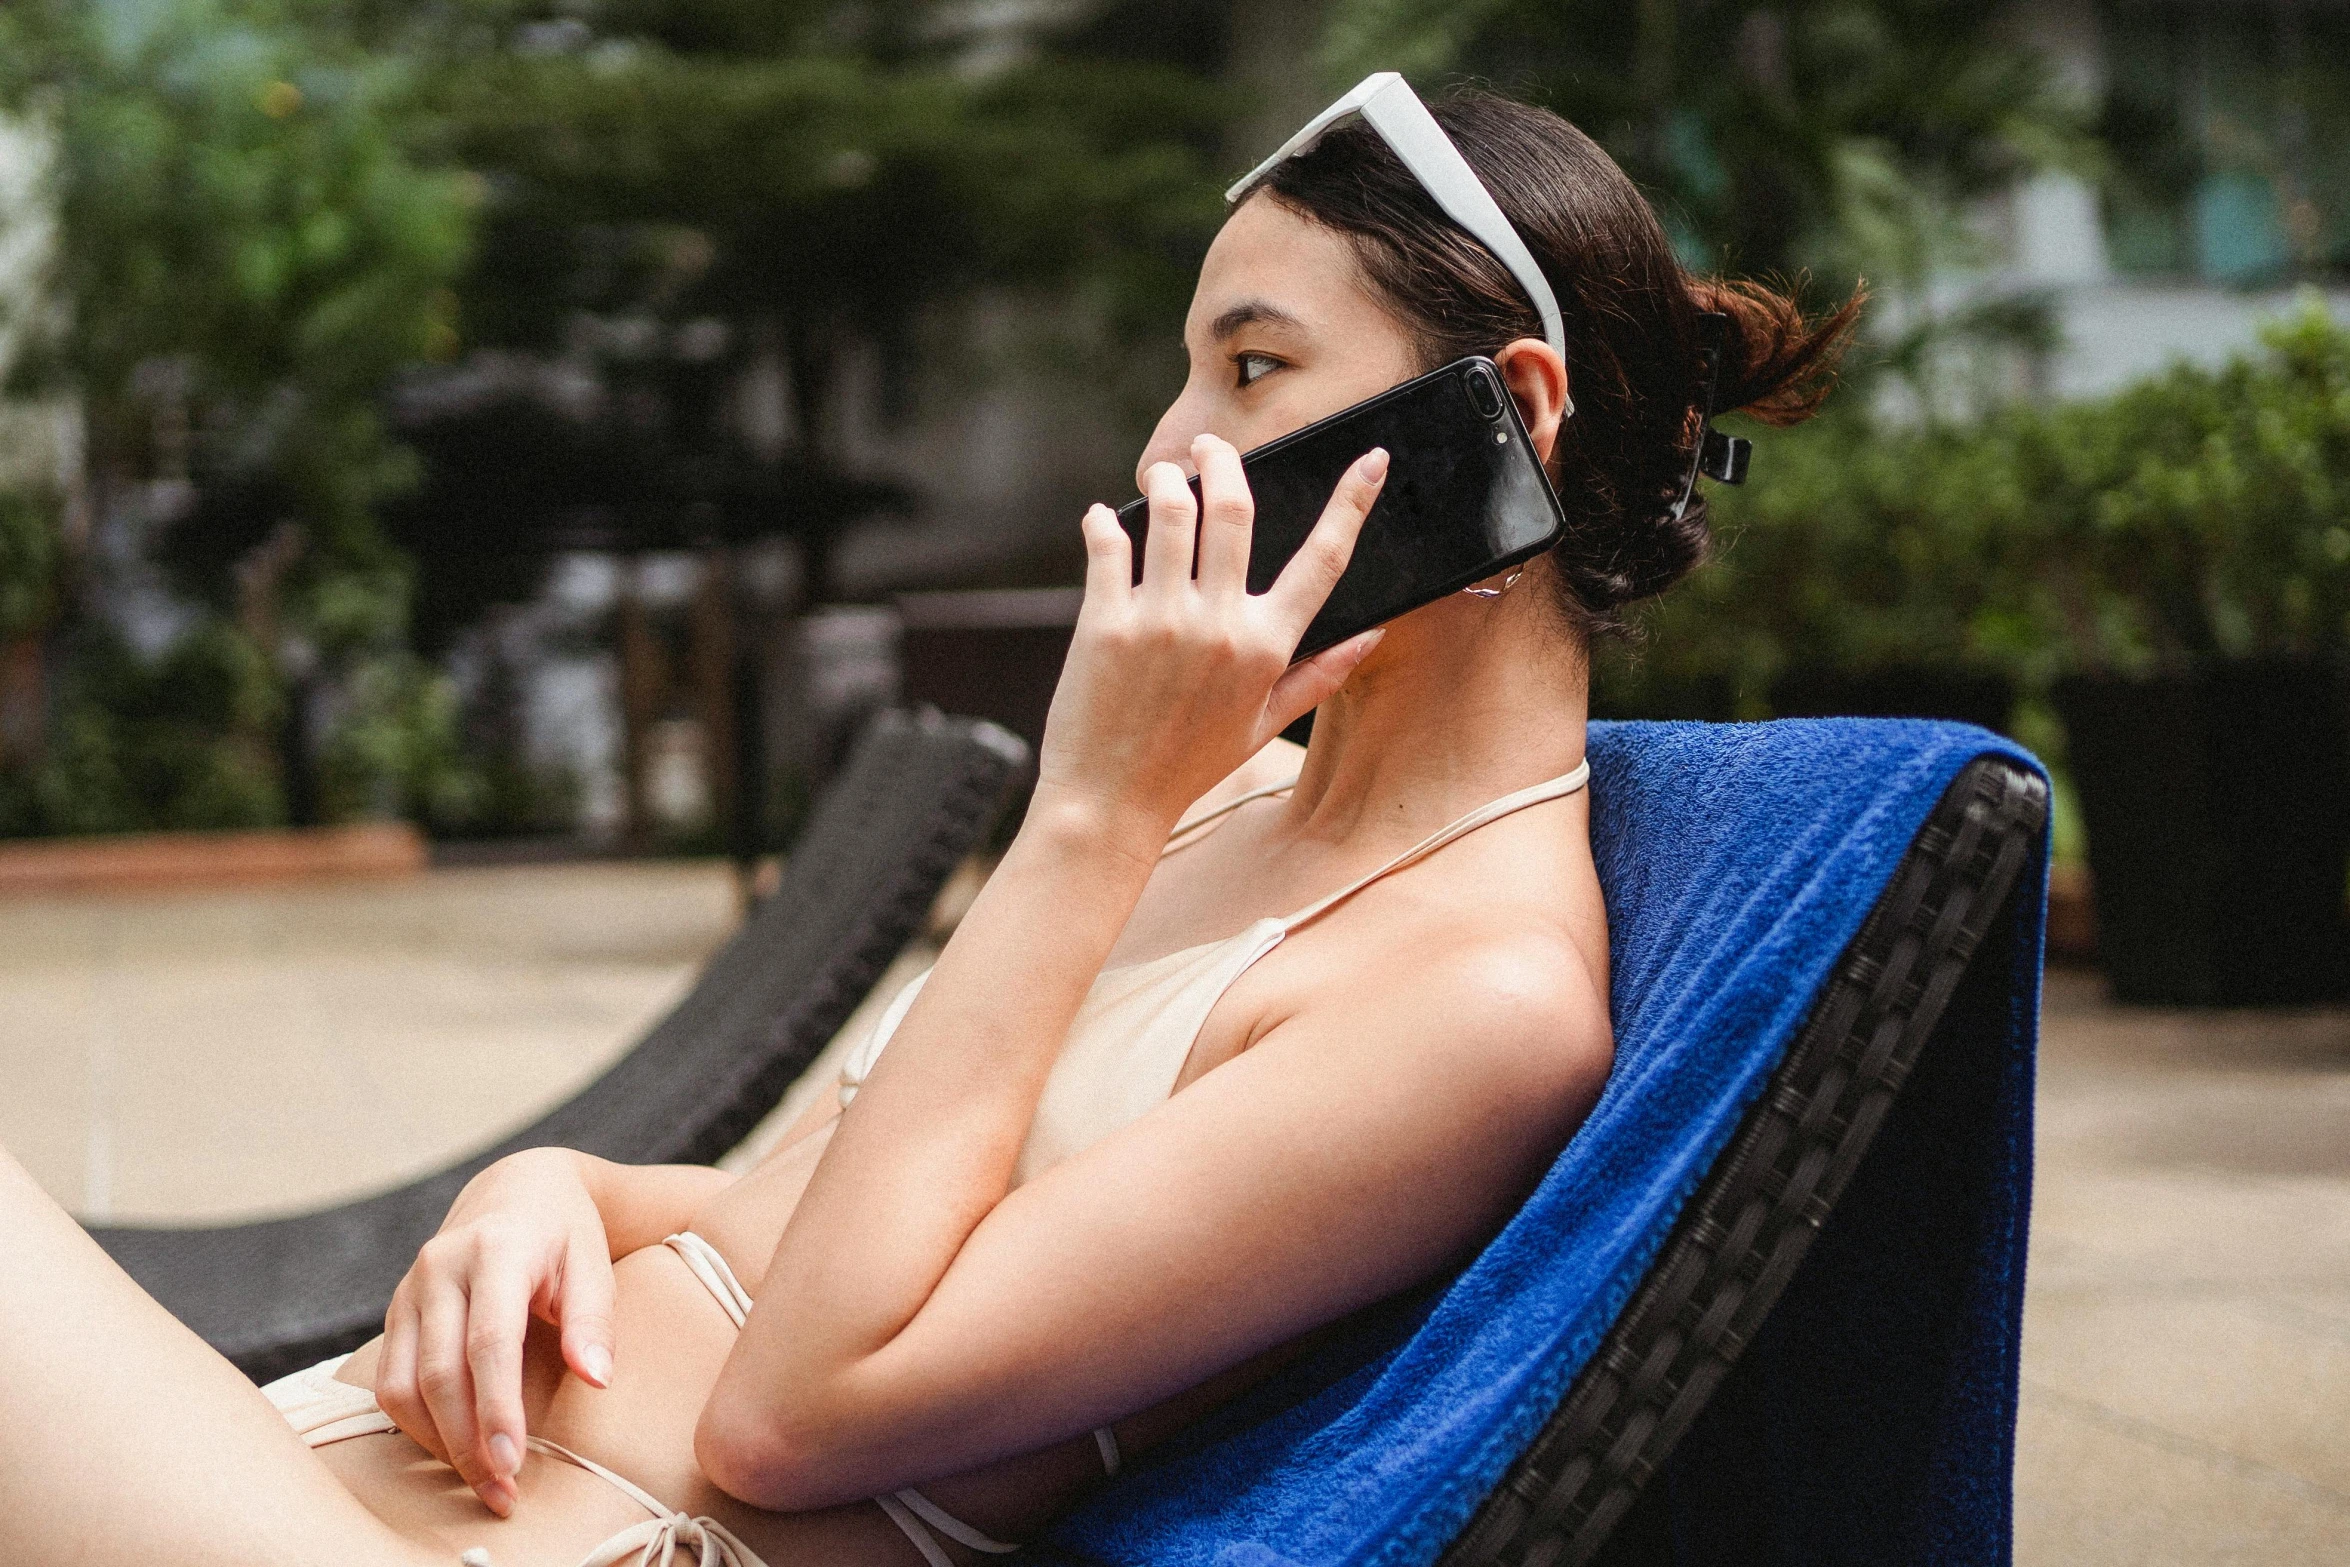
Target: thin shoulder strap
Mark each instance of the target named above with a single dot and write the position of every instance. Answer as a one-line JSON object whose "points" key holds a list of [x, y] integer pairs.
{"points": [[1210, 818], [710, 1266], [1484, 815]]}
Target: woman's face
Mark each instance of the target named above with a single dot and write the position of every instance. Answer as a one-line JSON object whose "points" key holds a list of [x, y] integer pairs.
{"points": [[1282, 331]]}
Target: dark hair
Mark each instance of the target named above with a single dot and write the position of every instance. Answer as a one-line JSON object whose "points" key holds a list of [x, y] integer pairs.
{"points": [[1629, 307]]}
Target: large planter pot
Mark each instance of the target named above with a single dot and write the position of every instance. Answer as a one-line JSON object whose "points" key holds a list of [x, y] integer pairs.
{"points": [[1974, 696], [2217, 805]]}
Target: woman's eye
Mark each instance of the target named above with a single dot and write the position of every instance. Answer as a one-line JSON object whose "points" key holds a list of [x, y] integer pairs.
{"points": [[1252, 366]]}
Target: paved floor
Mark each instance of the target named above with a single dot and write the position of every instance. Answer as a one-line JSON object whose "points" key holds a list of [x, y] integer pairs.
{"points": [[2187, 1320], [182, 1055], [2187, 1335]]}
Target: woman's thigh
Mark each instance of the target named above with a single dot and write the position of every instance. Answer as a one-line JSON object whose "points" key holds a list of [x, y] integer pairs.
{"points": [[126, 1441]]}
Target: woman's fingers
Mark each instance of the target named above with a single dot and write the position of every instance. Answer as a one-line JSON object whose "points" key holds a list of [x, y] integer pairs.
{"points": [[396, 1390], [497, 1315], [1166, 548], [1228, 515], [446, 1382], [1109, 557], [1315, 569], [583, 1308], [1309, 682], [1167, 684]]}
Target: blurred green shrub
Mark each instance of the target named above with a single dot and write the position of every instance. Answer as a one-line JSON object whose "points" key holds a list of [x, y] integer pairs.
{"points": [[28, 561], [2201, 513], [176, 741], [189, 740], [1853, 549], [399, 748], [247, 249], [2219, 521]]}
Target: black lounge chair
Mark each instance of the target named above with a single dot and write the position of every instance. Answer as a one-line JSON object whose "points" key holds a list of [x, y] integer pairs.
{"points": [[1664, 1446], [1803, 1355], [919, 793], [1576, 1494]]}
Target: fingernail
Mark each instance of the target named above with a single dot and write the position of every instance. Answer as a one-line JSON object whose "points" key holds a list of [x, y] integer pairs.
{"points": [[502, 1454], [1375, 463], [596, 1360]]}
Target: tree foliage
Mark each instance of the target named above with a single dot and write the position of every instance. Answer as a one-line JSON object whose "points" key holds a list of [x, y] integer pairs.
{"points": [[28, 561], [1848, 139], [684, 195], [2203, 513], [248, 251]]}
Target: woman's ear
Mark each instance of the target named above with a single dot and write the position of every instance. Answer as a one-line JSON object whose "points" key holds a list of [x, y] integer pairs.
{"points": [[1537, 379]]}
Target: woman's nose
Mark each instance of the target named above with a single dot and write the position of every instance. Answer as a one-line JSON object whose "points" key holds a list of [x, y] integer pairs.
{"points": [[1159, 452], [1171, 442]]}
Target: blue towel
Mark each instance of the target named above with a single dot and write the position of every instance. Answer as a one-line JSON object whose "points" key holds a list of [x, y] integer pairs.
{"points": [[1873, 1418]]}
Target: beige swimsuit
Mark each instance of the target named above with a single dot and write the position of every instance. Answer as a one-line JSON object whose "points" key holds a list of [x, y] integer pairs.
{"points": [[1124, 1051]]}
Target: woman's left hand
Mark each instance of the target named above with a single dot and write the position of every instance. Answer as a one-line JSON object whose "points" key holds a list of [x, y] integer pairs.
{"points": [[524, 1238], [1173, 682]]}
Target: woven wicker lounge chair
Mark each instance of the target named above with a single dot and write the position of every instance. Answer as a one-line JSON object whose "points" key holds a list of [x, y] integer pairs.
{"points": [[1736, 1247], [918, 794], [1799, 1355], [1673, 1441]]}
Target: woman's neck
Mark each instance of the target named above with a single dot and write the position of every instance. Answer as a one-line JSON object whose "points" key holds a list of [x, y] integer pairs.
{"points": [[1462, 702]]}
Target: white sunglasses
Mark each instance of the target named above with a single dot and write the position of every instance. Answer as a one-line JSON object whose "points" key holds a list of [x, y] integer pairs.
{"points": [[1388, 105]]}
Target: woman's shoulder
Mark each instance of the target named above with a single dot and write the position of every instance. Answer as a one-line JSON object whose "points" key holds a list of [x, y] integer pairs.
{"points": [[1516, 983], [1495, 994]]}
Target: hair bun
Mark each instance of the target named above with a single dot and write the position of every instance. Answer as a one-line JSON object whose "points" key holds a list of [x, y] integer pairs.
{"points": [[1621, 464], [1777, 365]]}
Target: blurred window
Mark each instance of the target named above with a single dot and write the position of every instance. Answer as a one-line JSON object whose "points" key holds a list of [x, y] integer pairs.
{"points": [[2229, 125]]}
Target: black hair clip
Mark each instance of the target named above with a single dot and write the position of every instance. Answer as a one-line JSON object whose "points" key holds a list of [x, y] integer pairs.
{"points": [[1721, 458]]}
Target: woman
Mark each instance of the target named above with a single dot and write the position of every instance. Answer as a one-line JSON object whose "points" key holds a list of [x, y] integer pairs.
{"points": [[1236, 1040]]}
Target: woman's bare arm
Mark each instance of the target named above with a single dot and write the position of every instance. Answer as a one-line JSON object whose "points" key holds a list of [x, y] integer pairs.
{"points": [[1170, 685], [641, 1204], [1349, 1153]]}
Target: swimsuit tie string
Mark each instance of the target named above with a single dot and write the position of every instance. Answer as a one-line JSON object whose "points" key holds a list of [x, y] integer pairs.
{"points": [[656, 1541]]}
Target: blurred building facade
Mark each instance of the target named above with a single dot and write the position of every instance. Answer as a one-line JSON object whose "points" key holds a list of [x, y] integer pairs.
{"points": [[2226, 124]]}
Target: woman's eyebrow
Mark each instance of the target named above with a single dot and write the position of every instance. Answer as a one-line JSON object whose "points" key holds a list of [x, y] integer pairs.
{"points": [[1252, 312]]}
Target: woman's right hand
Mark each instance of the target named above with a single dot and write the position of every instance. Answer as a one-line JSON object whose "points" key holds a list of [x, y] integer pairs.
{"points": [[1175, 680], [524, 1238]]}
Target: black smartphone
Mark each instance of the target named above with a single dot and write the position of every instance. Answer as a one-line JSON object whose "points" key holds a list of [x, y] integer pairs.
{"points": [[1465, 497]]}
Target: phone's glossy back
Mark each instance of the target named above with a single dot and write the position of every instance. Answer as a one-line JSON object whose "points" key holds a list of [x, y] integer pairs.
{"points": [[1465, 497]]}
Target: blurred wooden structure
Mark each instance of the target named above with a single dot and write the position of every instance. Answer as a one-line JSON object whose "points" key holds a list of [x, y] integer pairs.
{"points": [[180, 859]]}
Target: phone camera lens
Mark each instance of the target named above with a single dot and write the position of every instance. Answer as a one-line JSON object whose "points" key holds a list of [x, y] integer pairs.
{"points": [[1484, 396]]}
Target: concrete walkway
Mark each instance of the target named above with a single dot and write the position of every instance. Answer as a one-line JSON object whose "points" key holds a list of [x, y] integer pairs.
{"points": [[2187, 1317], [2187, 1334], [203, 1055]]}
